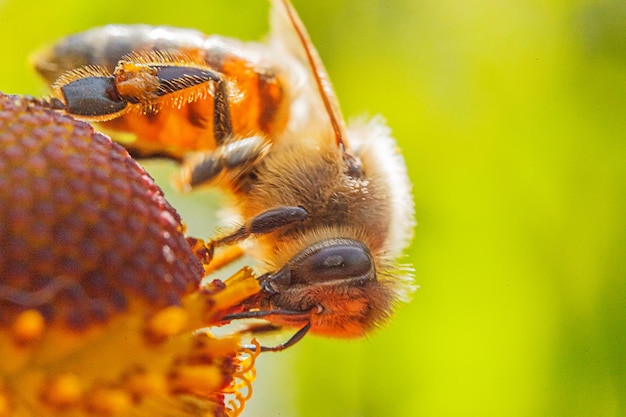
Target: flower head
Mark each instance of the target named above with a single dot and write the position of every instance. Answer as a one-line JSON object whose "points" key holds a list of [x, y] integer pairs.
{"points": [[102, 310]]}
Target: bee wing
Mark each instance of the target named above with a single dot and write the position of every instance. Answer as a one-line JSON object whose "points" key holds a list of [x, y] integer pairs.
{"points": [[289, 34]]}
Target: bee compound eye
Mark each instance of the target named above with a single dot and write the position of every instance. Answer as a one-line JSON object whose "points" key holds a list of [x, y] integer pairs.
{"points": [[344, 261], [336, 262]]}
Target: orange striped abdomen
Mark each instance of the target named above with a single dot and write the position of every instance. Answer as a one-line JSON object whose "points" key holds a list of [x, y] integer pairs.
{"points": [[255, 94]]}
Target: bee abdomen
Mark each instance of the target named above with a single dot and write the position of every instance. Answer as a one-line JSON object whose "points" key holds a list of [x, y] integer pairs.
{"points": [[257, 100]]}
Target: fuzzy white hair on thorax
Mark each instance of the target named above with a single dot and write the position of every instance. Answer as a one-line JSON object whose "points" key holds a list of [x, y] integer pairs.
{"points": [[372, 142]]}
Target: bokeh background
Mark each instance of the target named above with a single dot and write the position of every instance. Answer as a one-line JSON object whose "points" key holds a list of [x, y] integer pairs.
{"points": [[512, 117]]}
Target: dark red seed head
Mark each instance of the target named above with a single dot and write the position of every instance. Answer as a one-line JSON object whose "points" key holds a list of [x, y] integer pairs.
{"points": [[83, 228]]}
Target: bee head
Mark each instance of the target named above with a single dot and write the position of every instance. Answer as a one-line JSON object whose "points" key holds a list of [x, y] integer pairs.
{"points": [[332, 285]]}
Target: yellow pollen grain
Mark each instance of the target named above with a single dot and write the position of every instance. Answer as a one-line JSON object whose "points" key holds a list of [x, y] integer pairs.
{"points": [[28, 326]]}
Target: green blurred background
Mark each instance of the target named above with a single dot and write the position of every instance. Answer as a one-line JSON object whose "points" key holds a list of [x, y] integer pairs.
{"points": [[512, 117]]}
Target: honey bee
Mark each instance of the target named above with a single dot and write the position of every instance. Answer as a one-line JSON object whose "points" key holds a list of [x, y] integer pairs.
{"points": [[326, 209]]}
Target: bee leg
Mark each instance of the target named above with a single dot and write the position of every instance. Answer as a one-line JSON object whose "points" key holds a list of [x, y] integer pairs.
{"points": [[230, 154], [295, 338], [222, 125], [51, 103], [211, 262], [264, 223], [92, 98], [292, 340], [223, 258], [236, 156], [199, 171]]}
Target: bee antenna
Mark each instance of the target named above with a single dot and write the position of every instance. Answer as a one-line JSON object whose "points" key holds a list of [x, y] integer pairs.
{"points": [[319, 74]]}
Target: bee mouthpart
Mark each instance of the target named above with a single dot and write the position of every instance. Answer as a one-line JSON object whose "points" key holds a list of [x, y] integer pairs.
{"points": [[259, 314], [300, 316]]}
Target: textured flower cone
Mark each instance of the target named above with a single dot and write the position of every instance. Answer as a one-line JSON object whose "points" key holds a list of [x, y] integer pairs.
{"points": [[100, 296]]}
